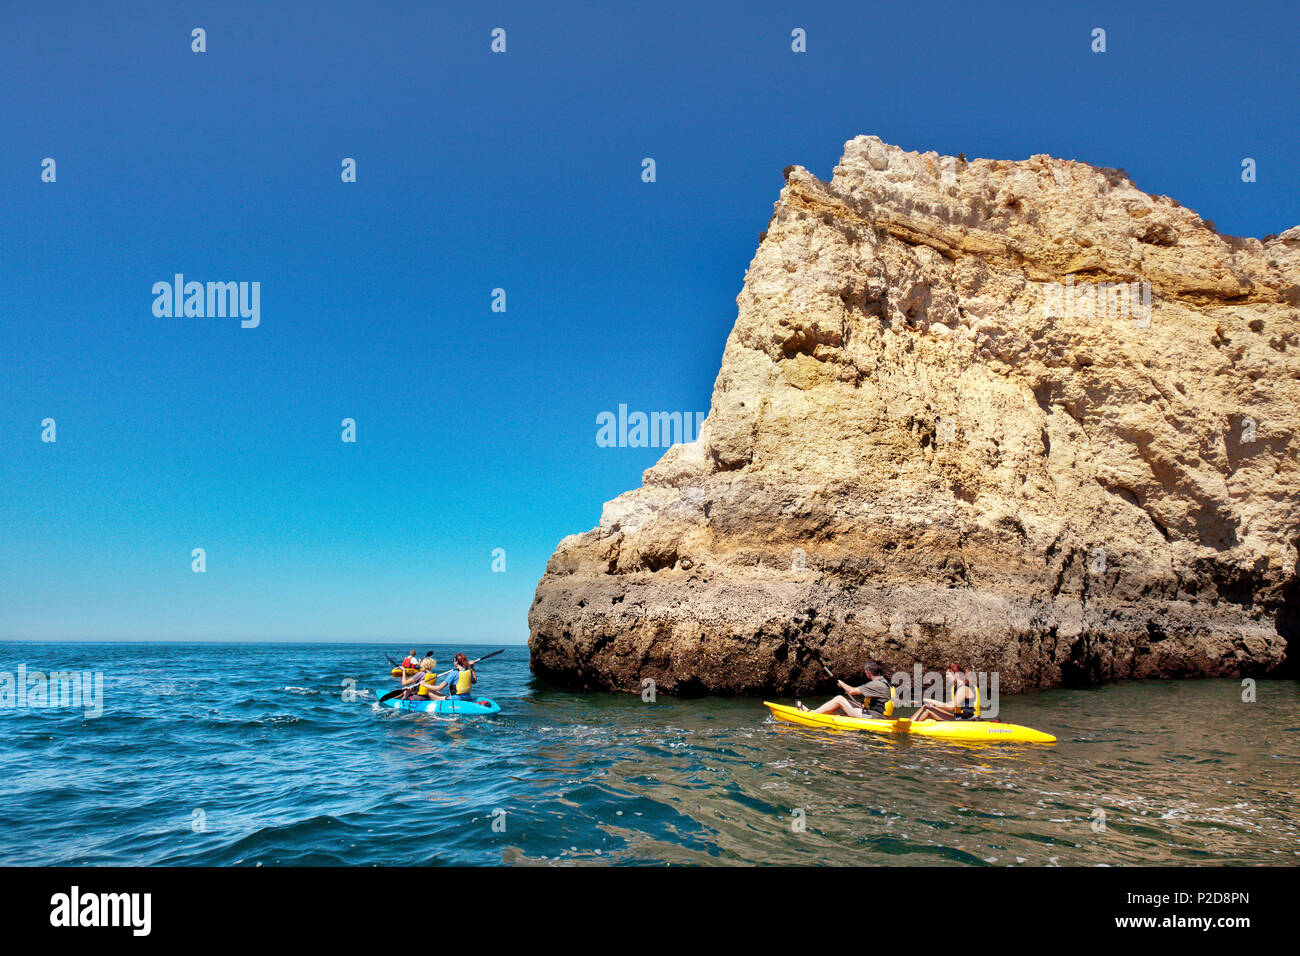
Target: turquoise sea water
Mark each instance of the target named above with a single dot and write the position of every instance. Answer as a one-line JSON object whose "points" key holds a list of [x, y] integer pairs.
{"points": [[246, 754]]}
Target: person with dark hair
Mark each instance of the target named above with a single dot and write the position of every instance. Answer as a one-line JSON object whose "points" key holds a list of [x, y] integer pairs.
{"points": [[462, 680], [877, 697], [965, 703]]}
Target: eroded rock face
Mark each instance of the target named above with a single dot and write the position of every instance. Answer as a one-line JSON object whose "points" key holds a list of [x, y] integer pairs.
{"points": [[927, 443]]}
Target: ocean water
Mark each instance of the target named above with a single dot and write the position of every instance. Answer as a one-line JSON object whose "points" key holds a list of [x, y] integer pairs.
{"points": [[240, 754]]}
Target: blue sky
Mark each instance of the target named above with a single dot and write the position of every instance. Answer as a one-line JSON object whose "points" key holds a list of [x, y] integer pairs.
{"points": [[476, 430]]}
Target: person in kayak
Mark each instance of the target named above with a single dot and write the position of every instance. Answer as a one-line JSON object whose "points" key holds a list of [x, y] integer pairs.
{"points": [[462, 680], [424, 684], [965, 703], [410, 662], [877, 697]]}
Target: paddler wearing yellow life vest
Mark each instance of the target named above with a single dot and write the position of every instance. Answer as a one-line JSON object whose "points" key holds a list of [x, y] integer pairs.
{"points": [[424, 683], [965, 702], [462, 680]]}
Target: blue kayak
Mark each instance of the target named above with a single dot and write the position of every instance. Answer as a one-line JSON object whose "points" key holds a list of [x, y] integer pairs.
{"points": [[480, 706]]}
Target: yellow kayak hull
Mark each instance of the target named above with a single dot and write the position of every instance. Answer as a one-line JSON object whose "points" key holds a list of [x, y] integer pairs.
{"points": [[407, 672], [968, 731]]}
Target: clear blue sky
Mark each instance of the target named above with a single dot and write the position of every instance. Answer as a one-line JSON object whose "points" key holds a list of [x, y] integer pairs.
{"points": [[476, 430]]}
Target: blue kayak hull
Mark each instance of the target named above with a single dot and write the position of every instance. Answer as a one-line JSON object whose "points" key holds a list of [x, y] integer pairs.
{"points": [[480, 706]]}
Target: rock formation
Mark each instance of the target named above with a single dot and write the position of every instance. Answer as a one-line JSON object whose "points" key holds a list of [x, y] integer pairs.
{"points": [[1018, 415]]}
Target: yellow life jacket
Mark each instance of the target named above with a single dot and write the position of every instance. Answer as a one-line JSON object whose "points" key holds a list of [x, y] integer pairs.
{"points": [[889, 704], [426, 685], [464, 680]]}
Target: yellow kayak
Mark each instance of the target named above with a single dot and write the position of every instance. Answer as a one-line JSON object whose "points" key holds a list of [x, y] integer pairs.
{"points": [[971, 731], [407, 672]]}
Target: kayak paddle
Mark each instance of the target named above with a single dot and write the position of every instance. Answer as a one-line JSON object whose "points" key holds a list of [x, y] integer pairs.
{"points": [[897, 703], [830, 673], [393, 693], [471, 663]]}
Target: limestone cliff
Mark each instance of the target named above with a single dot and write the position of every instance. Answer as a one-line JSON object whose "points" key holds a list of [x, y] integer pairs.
{"points": [[1020, 415]]}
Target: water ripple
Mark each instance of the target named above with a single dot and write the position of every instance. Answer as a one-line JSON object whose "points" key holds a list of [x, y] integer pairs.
{"points": [[248, 768]]}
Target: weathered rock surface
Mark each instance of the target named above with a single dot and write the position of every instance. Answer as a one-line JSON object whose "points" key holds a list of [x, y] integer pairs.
{"points": [[913, 455]]}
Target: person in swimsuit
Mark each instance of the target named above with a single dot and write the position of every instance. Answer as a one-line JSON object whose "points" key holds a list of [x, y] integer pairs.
{"points": [[964, 704]]}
